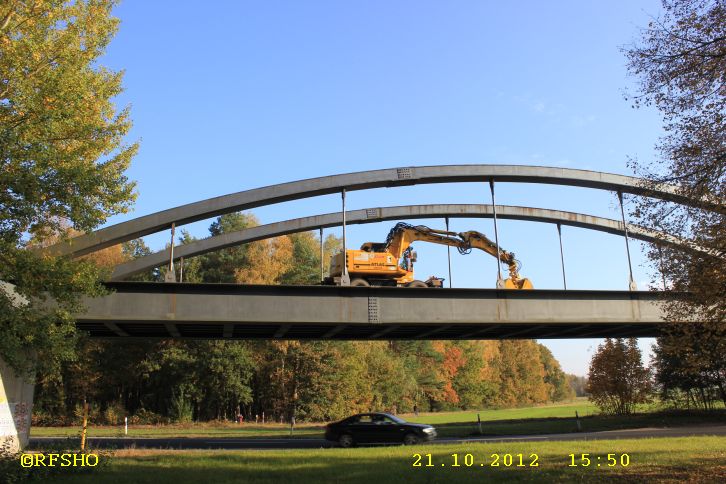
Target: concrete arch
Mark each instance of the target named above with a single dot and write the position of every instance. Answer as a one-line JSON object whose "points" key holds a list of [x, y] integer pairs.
{"points": [[392, 177], [372, 215]]}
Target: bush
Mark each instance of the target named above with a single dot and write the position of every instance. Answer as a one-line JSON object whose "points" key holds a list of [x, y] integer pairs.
{"points": [[94, 413], [180, 409], [43, 418], [114, 413], [147, 417]]}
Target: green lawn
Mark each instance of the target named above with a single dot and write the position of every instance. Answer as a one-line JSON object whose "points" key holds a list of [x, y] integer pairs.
{"points": [[699, 459], [581, 405], [190, 430]]}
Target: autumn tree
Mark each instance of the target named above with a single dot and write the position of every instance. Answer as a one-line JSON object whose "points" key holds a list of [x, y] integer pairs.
{"points": [[267, 260], [62, 160], [477, 381], [680, 66], [617, 380]]}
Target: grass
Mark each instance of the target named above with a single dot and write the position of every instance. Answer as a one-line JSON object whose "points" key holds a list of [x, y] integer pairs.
{"points": [[592, 423], [559, 410], [699, 459], [547, 419], [216, 429]]}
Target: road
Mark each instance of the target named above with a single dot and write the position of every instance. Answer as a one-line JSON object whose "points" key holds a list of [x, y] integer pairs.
{"points": [[303, 443]]}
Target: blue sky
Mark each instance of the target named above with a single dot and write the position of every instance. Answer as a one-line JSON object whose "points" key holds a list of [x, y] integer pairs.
{"points": [[228, 96]]}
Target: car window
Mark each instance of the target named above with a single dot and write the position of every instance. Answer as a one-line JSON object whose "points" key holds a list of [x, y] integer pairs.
{"points": [[364, 419], [383, 420]]}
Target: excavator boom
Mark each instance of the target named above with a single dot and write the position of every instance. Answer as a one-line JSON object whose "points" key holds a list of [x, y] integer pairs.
{"points": [[379, 261], [464, 241]]}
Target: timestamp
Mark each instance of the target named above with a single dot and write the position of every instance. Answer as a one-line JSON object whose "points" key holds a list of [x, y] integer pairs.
{"points": [[469, 460], [593, 460]]}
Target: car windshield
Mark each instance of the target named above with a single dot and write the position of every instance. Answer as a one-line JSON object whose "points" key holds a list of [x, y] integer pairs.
{"points": [[396, 419]]}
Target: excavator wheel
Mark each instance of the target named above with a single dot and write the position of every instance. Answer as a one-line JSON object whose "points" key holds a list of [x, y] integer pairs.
{"points": [[417, 284], [359, 282]]}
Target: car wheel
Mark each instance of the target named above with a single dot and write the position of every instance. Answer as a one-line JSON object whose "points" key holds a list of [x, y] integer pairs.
{"points": [[358, 282], [346, 441], [410, 439]]}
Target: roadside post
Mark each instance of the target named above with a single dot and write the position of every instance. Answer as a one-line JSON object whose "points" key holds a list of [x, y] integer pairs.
{"points": [[577, 419], [85, 424], [478, 419]]}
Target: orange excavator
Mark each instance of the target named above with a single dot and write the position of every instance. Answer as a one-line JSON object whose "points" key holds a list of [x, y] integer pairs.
{"points": [[390, 263]]}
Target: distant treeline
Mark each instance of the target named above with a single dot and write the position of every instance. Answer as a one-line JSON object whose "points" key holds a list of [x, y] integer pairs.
{"points": [[177, 380]]}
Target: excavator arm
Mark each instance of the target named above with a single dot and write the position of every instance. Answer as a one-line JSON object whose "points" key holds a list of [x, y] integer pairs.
{"points": [[403, 235]]}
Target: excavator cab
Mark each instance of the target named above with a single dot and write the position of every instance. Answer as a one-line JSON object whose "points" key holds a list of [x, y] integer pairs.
{"points": [[407, 259]]}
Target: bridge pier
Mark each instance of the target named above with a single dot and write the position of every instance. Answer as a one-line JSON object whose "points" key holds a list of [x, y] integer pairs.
{"points": [[16, 405]]}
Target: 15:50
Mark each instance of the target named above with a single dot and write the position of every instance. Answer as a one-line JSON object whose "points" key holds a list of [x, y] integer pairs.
{"points": [[612, 460]]}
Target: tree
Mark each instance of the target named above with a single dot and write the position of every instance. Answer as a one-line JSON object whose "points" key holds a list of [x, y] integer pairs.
{"points": [[522, 374], [386, 384], [421, 359], [476, 382], [452, 359], [617, 380], [558, 387], [305, 267], [62, 161], [190, 269], [266, 261], [331, 245], [578, 384], [220, 266], [689, 370], [680, 64]]}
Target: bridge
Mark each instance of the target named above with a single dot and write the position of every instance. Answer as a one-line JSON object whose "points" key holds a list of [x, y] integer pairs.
{"points": [[183, 310], [222, 311], [233, 311]]}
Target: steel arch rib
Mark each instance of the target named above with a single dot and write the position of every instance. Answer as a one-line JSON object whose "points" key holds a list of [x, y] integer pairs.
{"points": [[391, 177], [372, 215]]}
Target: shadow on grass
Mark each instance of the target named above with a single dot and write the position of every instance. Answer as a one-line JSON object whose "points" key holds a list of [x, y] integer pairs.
{"points": [[593, 423], [352, 466]]}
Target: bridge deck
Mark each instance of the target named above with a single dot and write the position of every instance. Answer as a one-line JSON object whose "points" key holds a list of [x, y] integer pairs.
{"points": [[230, 311]]}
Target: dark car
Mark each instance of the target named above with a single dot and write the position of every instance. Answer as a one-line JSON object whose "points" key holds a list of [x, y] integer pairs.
{"points": [[377, 428]]}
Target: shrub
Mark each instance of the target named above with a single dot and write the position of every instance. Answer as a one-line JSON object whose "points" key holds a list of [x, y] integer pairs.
{"points": [[114, 413], [180, 409], [147, 417]]}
